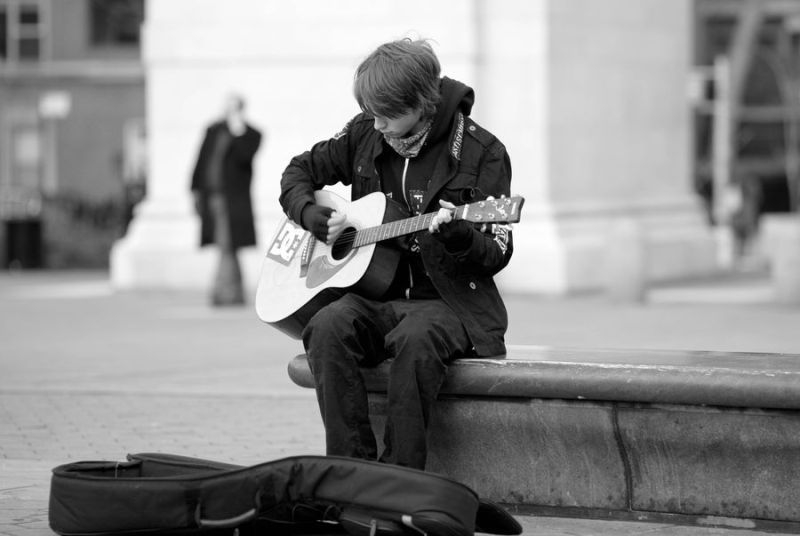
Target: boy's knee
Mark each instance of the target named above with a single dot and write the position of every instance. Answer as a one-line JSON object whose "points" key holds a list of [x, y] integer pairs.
{"points": [[415, 337], [330, 320]]}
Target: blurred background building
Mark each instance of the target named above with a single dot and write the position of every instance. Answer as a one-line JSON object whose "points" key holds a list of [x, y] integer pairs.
{"points": [[72, 112], [747, 113], [609, 111]]}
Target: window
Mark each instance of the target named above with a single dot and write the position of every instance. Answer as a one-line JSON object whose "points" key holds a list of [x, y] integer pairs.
{"points": [[22, 31], [26, 157], [116, 22], [3, 32], [29, 33]]}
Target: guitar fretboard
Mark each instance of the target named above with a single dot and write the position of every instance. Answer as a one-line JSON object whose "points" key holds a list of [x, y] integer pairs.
{"points": [[386, 231]]}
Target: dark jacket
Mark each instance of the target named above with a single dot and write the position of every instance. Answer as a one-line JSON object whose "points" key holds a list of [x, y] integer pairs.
{"points": [[473, 165], [237, 174]]}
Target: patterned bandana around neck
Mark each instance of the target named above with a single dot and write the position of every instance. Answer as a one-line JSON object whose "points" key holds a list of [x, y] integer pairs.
{"points": [[410, 146]]}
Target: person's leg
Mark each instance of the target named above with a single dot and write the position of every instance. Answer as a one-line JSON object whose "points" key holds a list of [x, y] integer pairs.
{"points": [[427, 336], [339, 339], [228, 284], [227, 288]]}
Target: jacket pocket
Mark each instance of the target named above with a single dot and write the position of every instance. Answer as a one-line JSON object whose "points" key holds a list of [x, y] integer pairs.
{"points": [[462, 189], [365, 179]]}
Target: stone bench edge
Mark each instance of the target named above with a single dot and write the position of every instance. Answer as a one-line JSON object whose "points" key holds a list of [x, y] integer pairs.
{"points": [[534, 372]]}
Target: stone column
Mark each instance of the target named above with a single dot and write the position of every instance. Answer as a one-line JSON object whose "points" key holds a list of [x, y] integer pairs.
{"points": [[781, 247], [591, 99]]}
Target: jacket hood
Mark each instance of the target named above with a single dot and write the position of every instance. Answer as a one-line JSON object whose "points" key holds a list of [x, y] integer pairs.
{"points": [[456, 97]]}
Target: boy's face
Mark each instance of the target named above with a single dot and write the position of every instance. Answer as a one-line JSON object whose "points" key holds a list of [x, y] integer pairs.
{"points": [[401, 126]]}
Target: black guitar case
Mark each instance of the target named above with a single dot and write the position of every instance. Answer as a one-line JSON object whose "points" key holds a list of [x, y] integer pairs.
{"points": [[169, 494]]}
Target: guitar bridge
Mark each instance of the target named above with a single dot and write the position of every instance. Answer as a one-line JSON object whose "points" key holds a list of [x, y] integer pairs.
{"points": [[306, 254]]}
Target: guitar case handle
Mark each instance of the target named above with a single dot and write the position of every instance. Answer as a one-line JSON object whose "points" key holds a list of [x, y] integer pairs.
{"points": [[231, 522]]}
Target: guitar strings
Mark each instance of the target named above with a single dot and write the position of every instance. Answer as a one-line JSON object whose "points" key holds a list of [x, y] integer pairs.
{"points": [[350, 233]]}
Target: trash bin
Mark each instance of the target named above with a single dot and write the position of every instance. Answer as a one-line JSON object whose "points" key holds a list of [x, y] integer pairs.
{"points": [[23, 243]]}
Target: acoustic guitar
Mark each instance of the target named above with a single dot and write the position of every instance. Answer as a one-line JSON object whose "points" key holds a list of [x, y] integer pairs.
{"points": [[301, 274]]}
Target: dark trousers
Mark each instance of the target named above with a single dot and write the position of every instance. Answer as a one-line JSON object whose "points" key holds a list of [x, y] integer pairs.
{"points": [[228, 287], [421, 336]]}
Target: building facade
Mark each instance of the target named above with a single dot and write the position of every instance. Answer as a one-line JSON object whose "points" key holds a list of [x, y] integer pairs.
{"points": [[760, 41], [589, 97], [591, 100], [71, 127]]}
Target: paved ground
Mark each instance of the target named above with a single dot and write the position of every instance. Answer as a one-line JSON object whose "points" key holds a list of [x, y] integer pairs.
{"points": [[89, 373]]}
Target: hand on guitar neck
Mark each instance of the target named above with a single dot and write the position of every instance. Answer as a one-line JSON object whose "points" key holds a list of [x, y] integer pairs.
{"points": [[454, 234], [445, 215]]}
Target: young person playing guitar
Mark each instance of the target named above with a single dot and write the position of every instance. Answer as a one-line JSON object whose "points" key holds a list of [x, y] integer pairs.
{"points": [[416, 143]]}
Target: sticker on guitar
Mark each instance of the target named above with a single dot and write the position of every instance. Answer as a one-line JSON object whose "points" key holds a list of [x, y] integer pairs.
{"points": [[287, 243]]}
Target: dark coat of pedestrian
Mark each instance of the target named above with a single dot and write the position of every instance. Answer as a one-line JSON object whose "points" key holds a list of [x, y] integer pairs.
{"points": [[238, 173], [221, 184]]}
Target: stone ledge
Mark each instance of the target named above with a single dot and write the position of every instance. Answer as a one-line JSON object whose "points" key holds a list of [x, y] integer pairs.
{"points": [[636, 432], [649, 376]]}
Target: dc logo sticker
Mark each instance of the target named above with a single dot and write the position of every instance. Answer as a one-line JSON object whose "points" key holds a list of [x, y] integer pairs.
{"points": [[287, 243]]}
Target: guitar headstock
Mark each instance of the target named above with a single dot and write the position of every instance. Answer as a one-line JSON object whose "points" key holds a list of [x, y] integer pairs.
{"points": [[503, 210]]}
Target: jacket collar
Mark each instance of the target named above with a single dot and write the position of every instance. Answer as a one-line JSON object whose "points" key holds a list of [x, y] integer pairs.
{"points": [[445, 167]]}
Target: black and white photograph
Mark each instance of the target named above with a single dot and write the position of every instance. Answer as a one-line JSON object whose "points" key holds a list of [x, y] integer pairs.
{"points": [[384, 268]]}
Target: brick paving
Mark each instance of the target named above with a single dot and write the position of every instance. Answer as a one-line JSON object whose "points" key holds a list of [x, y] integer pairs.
{"points": [[88, 373], [238, 429]]}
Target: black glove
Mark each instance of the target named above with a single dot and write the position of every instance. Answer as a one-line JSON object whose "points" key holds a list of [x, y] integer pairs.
{"points": [[315, 218], [455, 235]]}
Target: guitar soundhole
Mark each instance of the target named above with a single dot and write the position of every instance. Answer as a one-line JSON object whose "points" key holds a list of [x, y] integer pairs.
{"points": [[343, 245]]}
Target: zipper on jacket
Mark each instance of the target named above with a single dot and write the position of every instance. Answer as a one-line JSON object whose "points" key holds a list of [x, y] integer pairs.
{"points": [[405, 196], [403, 182], [410, 282]]}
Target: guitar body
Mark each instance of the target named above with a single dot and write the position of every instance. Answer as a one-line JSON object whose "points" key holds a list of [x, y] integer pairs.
{"points": [[300, 274]]}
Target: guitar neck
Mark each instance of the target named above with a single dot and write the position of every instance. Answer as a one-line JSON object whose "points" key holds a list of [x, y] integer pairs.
{"points": [[386, 231]]}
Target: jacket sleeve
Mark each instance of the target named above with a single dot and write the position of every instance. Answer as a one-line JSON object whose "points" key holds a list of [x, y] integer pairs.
{"points": [[198, 175], [327, 162], [491, 246]]}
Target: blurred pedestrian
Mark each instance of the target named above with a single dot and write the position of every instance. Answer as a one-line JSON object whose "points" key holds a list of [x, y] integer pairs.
{"points": [[221, 189]]}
